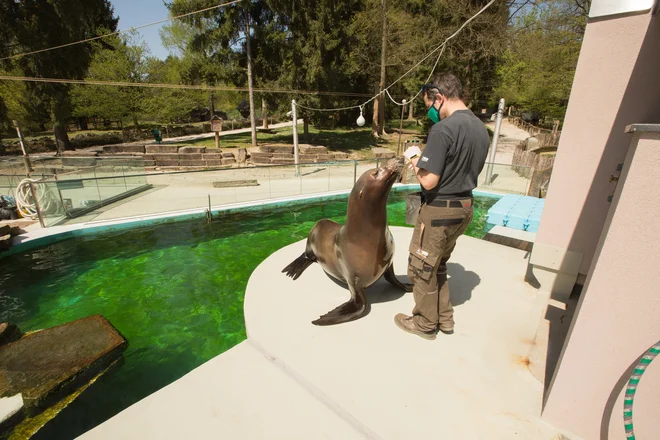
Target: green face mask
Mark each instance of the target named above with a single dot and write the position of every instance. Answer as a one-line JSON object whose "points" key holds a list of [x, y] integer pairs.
{"points": [[433, 113]]}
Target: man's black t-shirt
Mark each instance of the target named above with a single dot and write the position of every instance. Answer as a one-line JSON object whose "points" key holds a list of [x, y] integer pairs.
{"points": [[456, 150]]}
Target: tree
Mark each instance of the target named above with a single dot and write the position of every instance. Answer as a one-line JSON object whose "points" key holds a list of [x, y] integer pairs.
{"points": [[32, 25], [120, 61], [538, 67]]}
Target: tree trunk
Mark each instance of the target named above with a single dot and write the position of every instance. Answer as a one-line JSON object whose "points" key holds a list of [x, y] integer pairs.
{"points": [[410, 111], [264, 112], [253, 122], [374, 119], [306, 129], [211, 105], [135, 122], [62, 142], [383, 62]]}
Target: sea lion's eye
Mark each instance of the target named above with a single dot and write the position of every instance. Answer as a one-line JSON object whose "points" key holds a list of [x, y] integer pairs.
{"points": [[375, 173]]}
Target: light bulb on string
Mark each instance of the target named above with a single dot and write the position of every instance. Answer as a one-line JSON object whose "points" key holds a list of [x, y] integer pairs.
{"points": [[360, 120]]}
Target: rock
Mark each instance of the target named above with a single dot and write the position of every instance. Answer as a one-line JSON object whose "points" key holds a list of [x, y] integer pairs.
{"points": [[5, 242], [227, 154], [9, 333], [5, 229], [190, 156], [312, 149], [276, 148], [16, 230], [242, 155], [185, 150], [162, 148], [123, 148], [382, 153], [228, 161], [50, 364]]}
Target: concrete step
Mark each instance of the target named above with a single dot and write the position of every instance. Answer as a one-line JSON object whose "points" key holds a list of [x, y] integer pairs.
{"points": [[162, 148], [192, 150]]}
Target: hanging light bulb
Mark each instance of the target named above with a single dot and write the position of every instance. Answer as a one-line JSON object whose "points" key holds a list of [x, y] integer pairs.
{"points": [[360, 120]]}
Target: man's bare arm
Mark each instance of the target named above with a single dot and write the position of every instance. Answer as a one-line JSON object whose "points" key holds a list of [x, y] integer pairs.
{"points": [[427, 179]]}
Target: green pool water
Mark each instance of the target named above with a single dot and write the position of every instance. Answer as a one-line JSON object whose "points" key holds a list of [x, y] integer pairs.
{"points": [[175, 291]]}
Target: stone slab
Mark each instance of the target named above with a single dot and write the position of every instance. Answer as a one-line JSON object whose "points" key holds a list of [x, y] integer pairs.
{"points": [[161, 148], [382, 153], [282, 161], [122, 148], [49, 364], [261, 155], [167, 163], [77, 153], [276, 148], [9, 333], [227, 154], [235, 183], [326, 157], [228, 161], [312, 149], [308, 156], [261, 160], [283, 156], [191, 156], [212, 156], [192, 150], [241, 154], [340, 155], [214, 163], [192, 163], [166, 156], [79, 161]]}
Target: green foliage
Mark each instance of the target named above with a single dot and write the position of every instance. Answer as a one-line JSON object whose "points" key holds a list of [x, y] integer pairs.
{"points": [[537, 69]]}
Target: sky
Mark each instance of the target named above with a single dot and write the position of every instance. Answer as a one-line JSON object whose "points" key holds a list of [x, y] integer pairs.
{"points": [[138, 12]]}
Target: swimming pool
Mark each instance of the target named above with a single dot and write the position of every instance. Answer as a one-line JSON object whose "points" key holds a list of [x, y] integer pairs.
{"points": [[175, 291]]}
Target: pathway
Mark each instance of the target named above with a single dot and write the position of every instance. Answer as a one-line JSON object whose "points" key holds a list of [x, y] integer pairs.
{"points": [[510, 136]]}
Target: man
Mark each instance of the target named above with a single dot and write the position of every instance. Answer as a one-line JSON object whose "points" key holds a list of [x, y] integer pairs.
{"points": [[447, 171]]}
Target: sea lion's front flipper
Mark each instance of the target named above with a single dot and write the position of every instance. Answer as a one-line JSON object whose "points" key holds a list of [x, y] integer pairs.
{"points": [[352, 309], [392, 279]]}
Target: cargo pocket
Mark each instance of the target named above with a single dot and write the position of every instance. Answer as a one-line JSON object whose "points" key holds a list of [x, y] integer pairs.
{"points": [[422, 265]]}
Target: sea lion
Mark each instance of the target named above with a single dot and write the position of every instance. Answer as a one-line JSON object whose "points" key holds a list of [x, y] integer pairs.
{"points": [[359, 252]]}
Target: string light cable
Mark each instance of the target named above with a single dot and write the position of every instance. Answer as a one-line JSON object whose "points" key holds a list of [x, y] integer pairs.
{"points": [[119, 32]]}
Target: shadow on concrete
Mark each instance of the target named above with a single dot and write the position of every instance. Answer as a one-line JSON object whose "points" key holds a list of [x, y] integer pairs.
{"points": [[461, 283]]}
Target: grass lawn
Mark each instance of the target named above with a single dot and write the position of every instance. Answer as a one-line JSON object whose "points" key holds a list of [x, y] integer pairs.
{"points": [[356, 141]]}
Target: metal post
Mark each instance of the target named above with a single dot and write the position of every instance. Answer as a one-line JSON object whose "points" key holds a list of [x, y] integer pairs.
{"points": [[295, 135], [354, 171], [493, 147], [26, 158], [403, 108]]}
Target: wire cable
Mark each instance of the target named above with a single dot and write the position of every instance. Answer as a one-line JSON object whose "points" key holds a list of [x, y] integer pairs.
{"points": [[176, 86], [119, 32]]}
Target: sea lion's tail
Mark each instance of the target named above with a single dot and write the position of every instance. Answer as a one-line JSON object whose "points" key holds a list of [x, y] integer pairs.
{"points": [[298, 266]]}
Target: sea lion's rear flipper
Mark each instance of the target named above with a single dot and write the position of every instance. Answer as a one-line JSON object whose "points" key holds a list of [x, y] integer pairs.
{"points": [[392, 279], [298, 266], [351, 310]]}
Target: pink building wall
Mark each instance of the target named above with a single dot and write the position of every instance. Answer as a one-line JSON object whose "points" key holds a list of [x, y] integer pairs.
{"points": [[618, 316], [616, 84]]}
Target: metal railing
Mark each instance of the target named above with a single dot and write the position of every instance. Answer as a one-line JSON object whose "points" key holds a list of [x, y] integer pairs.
{"points": [[114, 188]]}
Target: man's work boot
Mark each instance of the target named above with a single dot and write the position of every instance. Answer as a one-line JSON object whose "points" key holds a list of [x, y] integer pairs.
{"points": [[447, 329], [406, 323]]}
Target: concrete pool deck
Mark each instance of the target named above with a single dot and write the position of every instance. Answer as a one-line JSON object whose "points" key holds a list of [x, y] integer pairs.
{"points": [[366, 378]]}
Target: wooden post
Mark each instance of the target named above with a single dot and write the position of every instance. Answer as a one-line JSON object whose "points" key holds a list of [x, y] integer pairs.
{"points": [[26, 158], [403, 109]]}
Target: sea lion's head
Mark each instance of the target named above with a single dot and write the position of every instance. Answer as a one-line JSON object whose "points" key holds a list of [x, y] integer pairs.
{"points": [[375, 184]]}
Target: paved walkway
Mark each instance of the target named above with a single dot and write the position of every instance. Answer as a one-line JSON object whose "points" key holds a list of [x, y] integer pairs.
{"points": [[510, 136], [366, 378]]}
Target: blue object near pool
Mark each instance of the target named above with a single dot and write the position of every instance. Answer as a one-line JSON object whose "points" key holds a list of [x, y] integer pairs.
{"points": [[517, 212]]}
